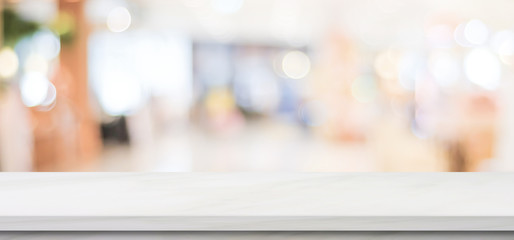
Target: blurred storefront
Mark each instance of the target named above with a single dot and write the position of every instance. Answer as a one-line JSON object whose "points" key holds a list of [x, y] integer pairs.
{"points": [[244, 85]]}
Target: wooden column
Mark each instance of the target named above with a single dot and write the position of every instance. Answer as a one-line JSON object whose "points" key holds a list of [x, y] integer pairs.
{"points": [[74, 58], [67, 138]]}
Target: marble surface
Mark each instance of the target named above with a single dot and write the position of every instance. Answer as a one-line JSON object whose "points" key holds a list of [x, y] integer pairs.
{"points": [[256, 201]]}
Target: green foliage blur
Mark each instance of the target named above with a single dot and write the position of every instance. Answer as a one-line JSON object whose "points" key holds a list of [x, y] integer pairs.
{"points": [[15, 28]]}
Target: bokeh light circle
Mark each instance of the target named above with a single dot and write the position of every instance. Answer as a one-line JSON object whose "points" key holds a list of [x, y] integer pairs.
{"points": [[8, 63], [296, 65], [483, 68], [119, 19]]}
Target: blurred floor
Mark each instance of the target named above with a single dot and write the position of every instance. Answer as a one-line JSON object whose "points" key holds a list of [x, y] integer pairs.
{"points": [[273, 146], [261, 146]]}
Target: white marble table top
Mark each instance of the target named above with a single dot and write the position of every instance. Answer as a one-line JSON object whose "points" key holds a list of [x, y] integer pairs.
{"points": [[256, 201]]}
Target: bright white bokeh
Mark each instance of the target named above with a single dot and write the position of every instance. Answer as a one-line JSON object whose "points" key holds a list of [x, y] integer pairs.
{"points": [[120, 93], [483, 68], [119, 19], [46, 44], [460, 37], [34, 88], [476, 32], [296, 65]]}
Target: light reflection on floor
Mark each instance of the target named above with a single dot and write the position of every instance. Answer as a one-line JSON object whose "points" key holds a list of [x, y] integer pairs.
{"points": [[261, 147]]}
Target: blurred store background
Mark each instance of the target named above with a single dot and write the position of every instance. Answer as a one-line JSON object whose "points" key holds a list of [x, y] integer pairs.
{"points": [[257, 85]]}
